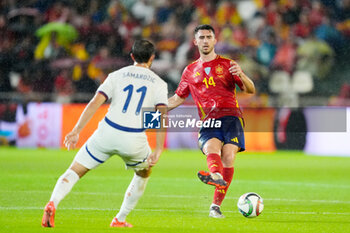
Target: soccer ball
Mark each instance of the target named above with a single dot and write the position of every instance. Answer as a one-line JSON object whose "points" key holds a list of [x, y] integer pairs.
{"points": [[250, 205]]}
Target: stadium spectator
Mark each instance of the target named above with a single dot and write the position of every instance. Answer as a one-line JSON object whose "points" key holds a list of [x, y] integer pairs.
{"points": [[227, 13], [164, 11], [95, 72], [23, 52], [152, 30], [271, 13], [78, 52], [329, 33], [290, 12], [129, 28], [316, 14], [42, 77], [85, 84], [343, 11], [56, 12], [285, 56], [184, 12], [49, 48], [63, 87], [302, 29], [267, 50]]}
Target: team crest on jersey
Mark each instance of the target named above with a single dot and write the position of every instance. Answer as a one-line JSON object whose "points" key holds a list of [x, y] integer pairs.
{"points": [[219, 69], [207, 70]]}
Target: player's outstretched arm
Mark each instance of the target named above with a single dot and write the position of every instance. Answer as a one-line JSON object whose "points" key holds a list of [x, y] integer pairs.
{"points": [[160, 138], [72, 138], [249, 86], [174, 102]]}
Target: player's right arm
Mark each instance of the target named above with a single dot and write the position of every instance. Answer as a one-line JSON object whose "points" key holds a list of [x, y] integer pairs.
{"points": [[181, 92], [175, 101], [72, 138]]}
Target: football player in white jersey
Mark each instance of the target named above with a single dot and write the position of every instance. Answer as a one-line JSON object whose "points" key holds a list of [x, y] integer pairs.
{"points": [[121, 132]]}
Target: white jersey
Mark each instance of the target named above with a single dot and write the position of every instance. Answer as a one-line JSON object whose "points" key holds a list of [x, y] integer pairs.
{"points": [[121, 132], [131, 89]]}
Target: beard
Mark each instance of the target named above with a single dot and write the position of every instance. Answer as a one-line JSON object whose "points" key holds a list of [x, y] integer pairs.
{"points": [[206, 52]]}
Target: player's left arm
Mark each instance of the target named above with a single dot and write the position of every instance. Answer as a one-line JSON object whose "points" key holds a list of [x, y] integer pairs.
{"points": [[72, 138], [248, 84], [160, 138]]}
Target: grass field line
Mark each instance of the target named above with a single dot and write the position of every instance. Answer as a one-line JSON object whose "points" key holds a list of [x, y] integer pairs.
{"points": [[183, 196], [165, 210]]}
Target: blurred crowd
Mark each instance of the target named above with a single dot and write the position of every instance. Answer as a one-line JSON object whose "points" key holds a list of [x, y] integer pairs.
{"points": [[68, 47]]}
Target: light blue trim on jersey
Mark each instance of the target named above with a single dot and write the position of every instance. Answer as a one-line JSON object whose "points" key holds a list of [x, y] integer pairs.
{"points": [[123, 128], [100, 161]]}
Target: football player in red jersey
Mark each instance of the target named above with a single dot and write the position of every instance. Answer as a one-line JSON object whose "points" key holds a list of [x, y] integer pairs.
{"points": [[212, 80]]}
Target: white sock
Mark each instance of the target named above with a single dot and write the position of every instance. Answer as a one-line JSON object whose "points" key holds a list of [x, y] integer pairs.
{"points": [[63, 186], [132, 195]]}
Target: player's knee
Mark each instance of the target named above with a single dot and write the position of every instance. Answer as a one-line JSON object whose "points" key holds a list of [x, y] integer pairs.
{"points": [[144, 173], [79, 169], [212, 146], [228, 160]]}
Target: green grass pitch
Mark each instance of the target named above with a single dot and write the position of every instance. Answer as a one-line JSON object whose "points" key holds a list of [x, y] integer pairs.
{"points": [[301, 194]]}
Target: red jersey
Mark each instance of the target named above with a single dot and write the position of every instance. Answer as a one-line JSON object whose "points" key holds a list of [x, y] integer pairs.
{"points": [[212, 87]]}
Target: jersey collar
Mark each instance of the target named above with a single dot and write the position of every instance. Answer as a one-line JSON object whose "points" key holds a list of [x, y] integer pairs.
{"points": [[217, 56]]}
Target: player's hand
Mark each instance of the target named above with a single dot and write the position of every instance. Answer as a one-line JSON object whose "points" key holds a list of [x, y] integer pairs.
{"points": [[71, 140], [154, 157], [235, 69]]}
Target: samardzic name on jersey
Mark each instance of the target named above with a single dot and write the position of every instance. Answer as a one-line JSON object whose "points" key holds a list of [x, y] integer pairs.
{"points": [[139, 76]]}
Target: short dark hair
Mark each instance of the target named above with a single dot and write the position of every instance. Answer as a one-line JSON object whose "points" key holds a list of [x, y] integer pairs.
{"points": [[204, 27], [142, 50]]}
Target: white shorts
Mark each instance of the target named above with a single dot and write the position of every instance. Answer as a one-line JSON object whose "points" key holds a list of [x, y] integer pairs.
{"points": [[107, 141]]}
